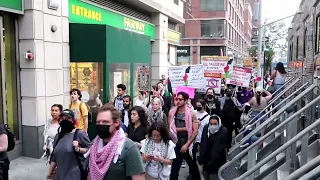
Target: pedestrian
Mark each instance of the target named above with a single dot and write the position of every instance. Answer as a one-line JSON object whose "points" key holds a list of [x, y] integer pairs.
{"points": [[112, 155], [4, 160], [183, 127], [158, 152], [212, 103], [155, 113], [51, 129], [79, 109], [138, 126], [69, 146], [125, 111], [213, 148], [118, 101]]}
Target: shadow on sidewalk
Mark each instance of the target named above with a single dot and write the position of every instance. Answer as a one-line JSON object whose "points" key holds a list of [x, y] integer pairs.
{"points": [[25, 168]]}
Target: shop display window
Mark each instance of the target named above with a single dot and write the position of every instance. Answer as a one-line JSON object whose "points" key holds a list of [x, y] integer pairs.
{"points": [[9, 77], [119, 73], [88, 78]]}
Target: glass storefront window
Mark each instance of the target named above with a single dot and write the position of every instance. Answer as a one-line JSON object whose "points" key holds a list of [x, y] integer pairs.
{"points": [[9, 78], [119, 73], [88, 78]]}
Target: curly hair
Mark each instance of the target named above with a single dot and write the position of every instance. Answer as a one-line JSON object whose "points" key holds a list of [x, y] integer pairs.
{"points": [[141, 113], [162, 129]]}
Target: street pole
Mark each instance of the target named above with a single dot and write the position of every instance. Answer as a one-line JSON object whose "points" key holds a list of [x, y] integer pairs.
{"points": [[259, 74]]}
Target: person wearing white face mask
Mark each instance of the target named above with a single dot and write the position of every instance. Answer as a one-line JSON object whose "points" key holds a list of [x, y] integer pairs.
{"points": [[213, 148]]}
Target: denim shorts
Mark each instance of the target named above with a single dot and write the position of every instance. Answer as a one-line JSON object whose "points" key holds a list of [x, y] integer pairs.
{"points": [[255, 113]]}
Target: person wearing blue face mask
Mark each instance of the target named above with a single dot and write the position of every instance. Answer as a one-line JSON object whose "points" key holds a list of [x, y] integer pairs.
{"points": [[213, 148]]}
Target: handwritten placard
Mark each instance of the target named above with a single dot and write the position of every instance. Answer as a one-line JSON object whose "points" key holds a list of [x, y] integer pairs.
{"points": [[240, 77], [188, 90], [191, 76]]}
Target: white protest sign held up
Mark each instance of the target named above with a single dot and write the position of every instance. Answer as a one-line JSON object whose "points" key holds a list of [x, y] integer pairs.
{"points": [[190, 75], [240, 77], [215, 64]]}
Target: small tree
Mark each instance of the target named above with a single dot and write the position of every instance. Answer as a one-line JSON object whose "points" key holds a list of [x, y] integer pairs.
{"points": [[253, 51]]}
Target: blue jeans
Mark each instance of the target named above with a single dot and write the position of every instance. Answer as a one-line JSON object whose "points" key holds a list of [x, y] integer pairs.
{"points": [[255, 113], [276, 87]]}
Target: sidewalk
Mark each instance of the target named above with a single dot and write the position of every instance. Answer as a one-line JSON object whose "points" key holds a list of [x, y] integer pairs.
{"points": [[25, 168]]}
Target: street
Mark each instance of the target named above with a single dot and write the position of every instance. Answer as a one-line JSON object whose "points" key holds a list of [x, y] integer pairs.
{"points": [[25, 168]]}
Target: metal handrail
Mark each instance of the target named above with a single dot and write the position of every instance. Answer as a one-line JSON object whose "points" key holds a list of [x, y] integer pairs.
{"points": [[282, 148], [267, 113], [304, 169], [315, 173], [257, 129], [261, 139], [285, 84], [269, 105]]}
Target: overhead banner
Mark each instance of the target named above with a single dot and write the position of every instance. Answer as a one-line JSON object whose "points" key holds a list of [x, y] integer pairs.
{"points": [[186, 76], [240, 77]]}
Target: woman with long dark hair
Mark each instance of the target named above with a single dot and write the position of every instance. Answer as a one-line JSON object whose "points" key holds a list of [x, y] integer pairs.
{"points": [[138, 127], [69, 146], [158, 152], [279, 78]]}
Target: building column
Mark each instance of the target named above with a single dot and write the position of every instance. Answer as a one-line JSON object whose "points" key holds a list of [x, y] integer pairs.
{"points": [[45, 79], [159, 52]]}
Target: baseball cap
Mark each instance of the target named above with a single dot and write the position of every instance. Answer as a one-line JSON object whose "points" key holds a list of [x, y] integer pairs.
{"points": [[259, 89], [67, 112]]}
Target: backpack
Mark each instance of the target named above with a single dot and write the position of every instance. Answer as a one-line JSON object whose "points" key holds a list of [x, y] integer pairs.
{"points": [[89, 112], [228, 107], [11, 138]]}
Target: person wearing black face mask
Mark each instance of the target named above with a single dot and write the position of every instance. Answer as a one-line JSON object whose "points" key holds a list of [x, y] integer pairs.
{"points": [[203, 118], [125, 111], [212, 104], [69, 143], [111, 143]]}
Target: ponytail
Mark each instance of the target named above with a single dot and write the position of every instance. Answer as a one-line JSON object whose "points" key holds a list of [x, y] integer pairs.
{"points": [[258, 99]]}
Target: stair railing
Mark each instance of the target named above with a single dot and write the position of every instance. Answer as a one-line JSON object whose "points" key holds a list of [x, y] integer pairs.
{"points": [[239, 136], [304, 169], [253, 148], [313, 174], [284, 85], [303, 134], [270, 104]]}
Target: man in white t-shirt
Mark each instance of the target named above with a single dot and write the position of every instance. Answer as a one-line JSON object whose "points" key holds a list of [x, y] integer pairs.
{"points": [[203, 118]]}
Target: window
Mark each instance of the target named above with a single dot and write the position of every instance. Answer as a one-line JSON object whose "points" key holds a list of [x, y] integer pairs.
{"points": [[88, 77], [317, 34], [8, 75], [297, 48], [212, 28], [212, 5], [176, 2], [305, 40], [182, 30], [119, 73]]}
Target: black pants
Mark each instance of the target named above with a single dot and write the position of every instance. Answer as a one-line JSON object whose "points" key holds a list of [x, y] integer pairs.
{"points": [[194, 151], [4, 169], [193, 167], [229, 123]]}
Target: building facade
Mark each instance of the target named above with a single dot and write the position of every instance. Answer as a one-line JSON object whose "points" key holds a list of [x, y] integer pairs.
{"points": [[256, 20], [41, 47], [214, 27], [303, 40]]}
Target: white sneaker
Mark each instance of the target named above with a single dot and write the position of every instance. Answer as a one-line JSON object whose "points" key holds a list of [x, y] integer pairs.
{"points": [[245, 145], [183, 165]]}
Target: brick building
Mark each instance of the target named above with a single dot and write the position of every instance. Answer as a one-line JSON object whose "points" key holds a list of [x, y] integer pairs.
{"points": [[304, 39], [213, 27]]}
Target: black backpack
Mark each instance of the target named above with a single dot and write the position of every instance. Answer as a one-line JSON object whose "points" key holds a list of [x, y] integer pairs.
{"points": [[228, 107], [11, 138]]}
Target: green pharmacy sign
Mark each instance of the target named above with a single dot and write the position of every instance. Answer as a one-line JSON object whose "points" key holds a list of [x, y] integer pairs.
{"points": [[14, 6], [84, 13]]}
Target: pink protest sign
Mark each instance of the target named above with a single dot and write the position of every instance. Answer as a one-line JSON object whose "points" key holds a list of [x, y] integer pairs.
{"points": [[188, 90]]}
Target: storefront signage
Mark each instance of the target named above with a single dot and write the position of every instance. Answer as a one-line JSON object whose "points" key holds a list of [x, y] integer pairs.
{"points": [[85, 13], [183, 51], [174, 37], [14, 6]]}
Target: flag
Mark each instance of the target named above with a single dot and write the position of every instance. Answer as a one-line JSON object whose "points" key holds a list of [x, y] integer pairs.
{"points": [[221, 52]]}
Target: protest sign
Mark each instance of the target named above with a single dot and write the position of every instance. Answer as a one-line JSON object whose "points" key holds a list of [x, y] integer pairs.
{"points": [[143, 78], [191, 76], [188, 90], [240, 77]]}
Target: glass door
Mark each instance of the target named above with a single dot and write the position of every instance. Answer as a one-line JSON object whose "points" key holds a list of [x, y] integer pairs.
{"points": [[9, 110]]}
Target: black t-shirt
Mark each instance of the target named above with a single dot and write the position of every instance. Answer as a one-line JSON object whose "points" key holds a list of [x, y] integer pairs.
{"points": [[3, 155], [137, 134]]}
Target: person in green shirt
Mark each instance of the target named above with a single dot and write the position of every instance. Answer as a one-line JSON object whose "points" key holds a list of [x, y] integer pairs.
{"points": [[112, 155]]}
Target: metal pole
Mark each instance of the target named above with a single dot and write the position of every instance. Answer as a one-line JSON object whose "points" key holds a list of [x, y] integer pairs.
{"points": [[260, 45], [315, 173]]}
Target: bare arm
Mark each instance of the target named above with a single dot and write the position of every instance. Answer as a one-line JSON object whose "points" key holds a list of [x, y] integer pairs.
{"points": [[3, 143], [85, 129], [273, 75], [269, 95], [53, 165], [195, 127]]}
